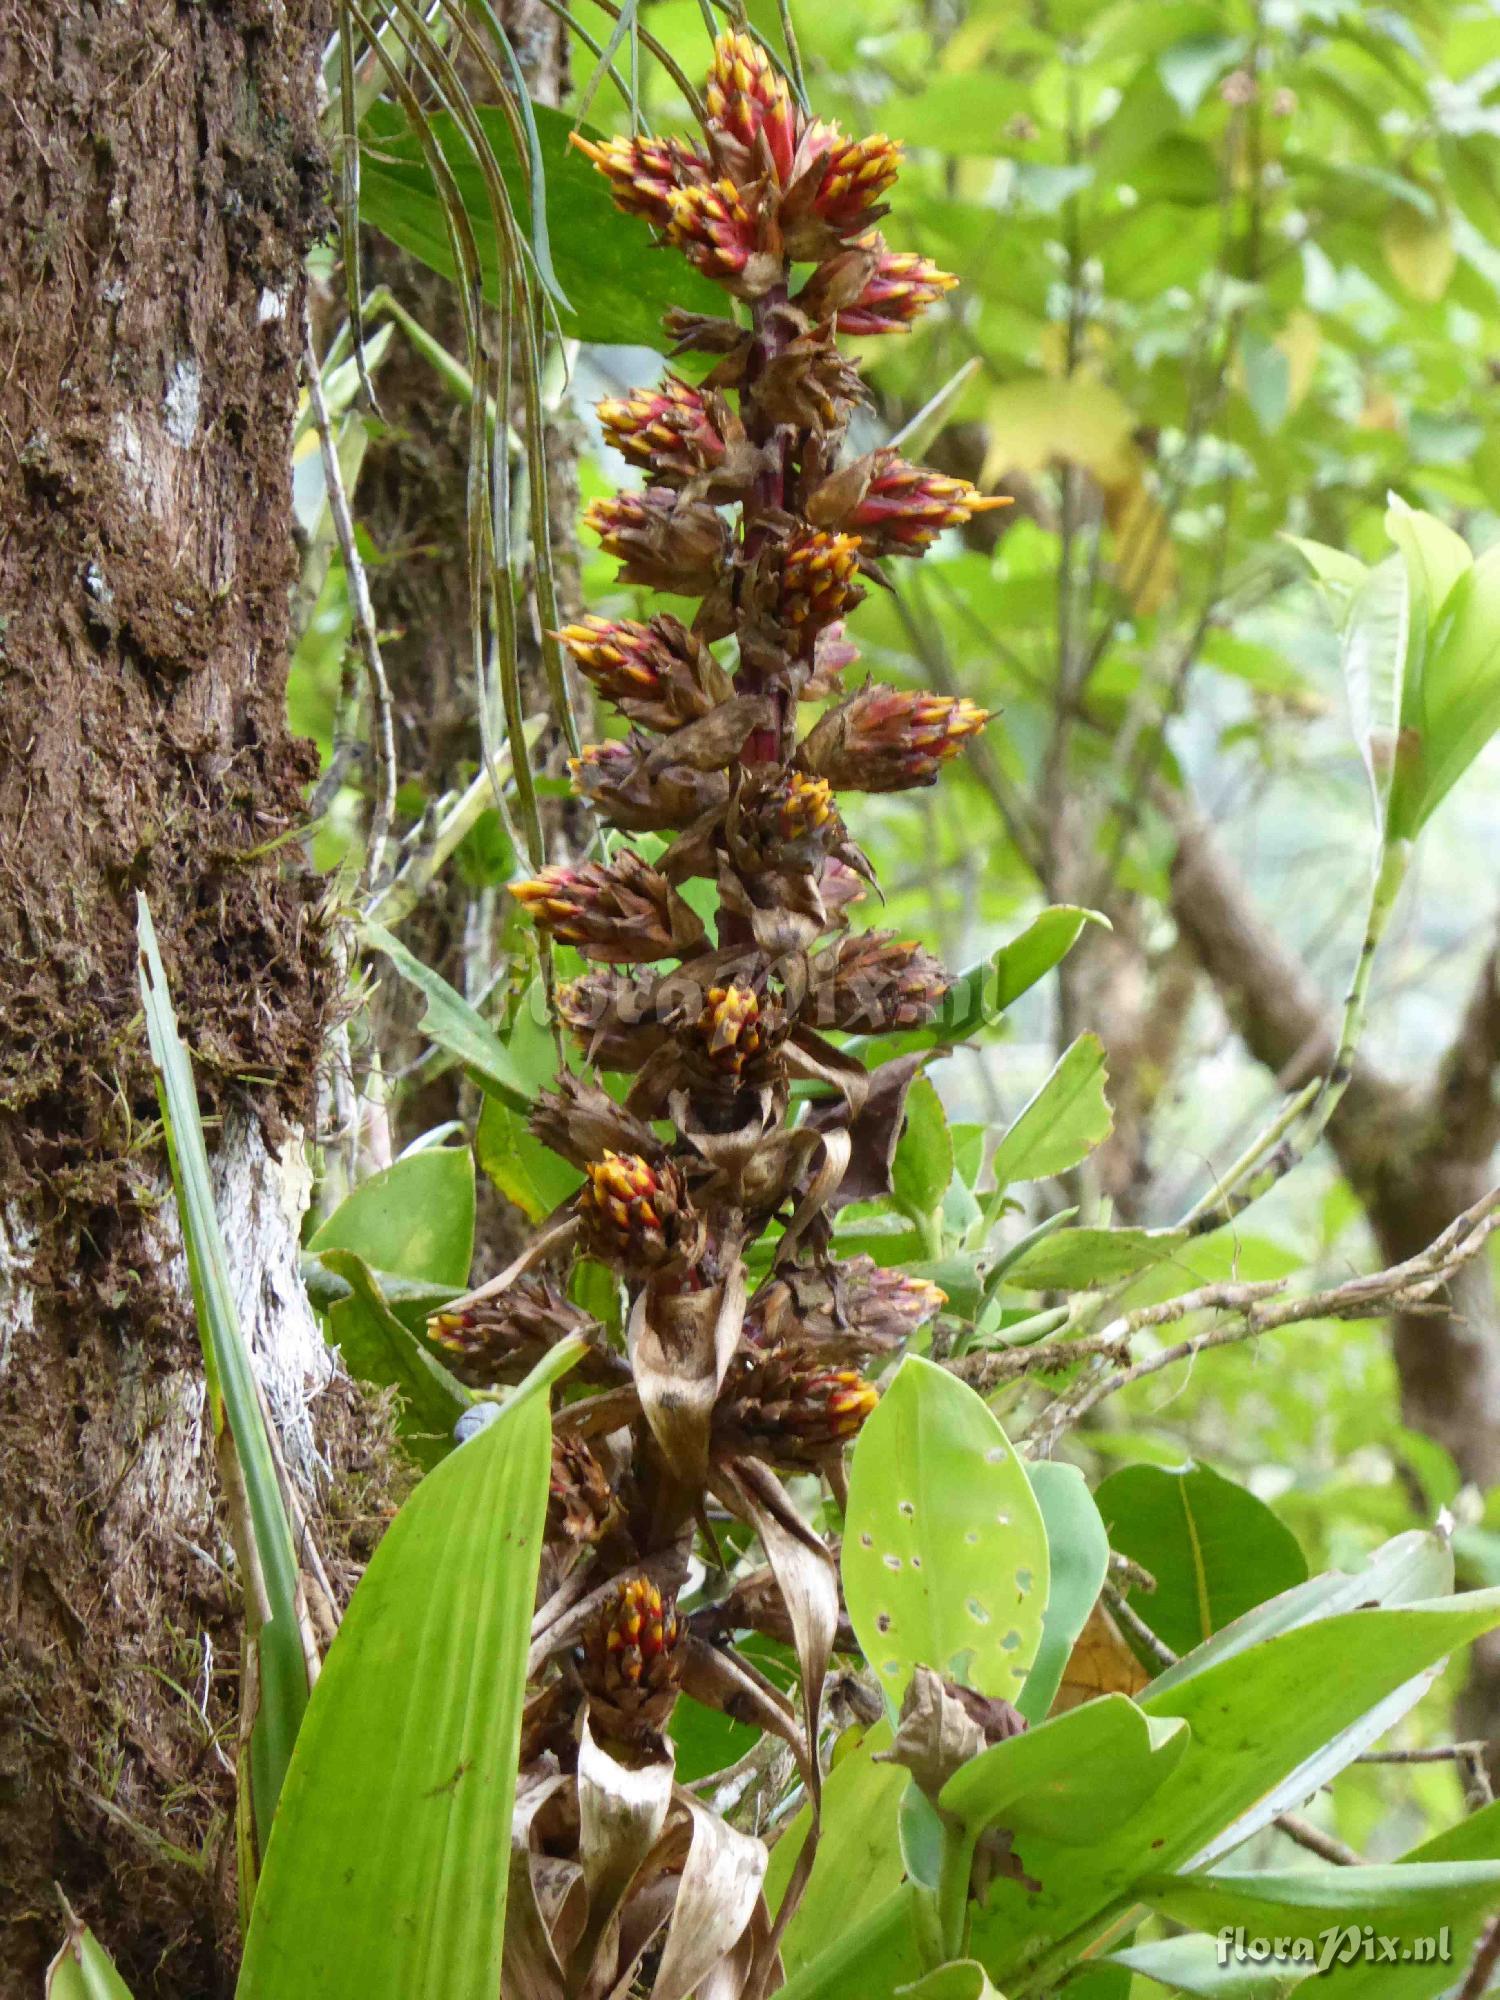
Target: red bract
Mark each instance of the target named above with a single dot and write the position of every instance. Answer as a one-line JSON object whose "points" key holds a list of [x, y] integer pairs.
{"points": [[644, 174], [750, 107]]}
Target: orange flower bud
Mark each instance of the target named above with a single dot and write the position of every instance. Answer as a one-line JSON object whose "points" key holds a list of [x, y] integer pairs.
{"points": [[622, 911], [714, 228], [638, 1216], [662, 541], [731, 1026], [666, 431], [644, 174], [819, 579], [658, 673], [785, 1406], [885, 739], [906, 507], [871, 289]]}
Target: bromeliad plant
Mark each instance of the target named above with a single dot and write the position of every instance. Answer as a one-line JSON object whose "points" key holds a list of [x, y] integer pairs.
{"points": [[726, 1388], [519, 1650]]}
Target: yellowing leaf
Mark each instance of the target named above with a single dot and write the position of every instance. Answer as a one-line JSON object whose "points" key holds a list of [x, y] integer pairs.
{"points": [[1035, 421], [1145, 560], [1301, 341], [1420, 250], [1100, 1663]]}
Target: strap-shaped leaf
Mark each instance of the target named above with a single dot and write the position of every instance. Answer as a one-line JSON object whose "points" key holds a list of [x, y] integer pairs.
{"points": [[388, 1864], [1078, 1561], [269, 1563]]}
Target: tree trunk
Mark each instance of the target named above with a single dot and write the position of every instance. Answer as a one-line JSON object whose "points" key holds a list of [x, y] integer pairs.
{"points": [[163, 181]]}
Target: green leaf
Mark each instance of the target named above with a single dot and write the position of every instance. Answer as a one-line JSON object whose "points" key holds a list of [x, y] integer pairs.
{"points": [[960, 1979], [1061, 1125], [1340, 575], [524, 1170], [944, 1552], [1214, 1549], [1070, 1259], [1074, 1779], [1405, 1570], [451, 1023], [1406, 1898], [83, 1969], [1078, 1562], [234, 1402], [980, 995], [1259, 1718], [1198, 1965], [415, 1218], [923, 1165], [1475, 1838], [1460, 693], [387, 1867], [862, 1960], [858, 1862], [617, 283], [378, 1349]]}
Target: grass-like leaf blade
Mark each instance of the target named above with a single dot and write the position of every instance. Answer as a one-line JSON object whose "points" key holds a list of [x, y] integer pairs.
{"points": [[238, 1421]]}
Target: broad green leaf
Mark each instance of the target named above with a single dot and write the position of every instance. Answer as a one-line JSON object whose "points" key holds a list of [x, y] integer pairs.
{"points": [[1405, 1570], [1073, 1779], [415, 1218], [961, 1979], [234, 1402], [1070, 1259], [452, 1024], [378, 1349], [617, 283], [1214, 1549], [1078, 1562], [1434, 554], [524, 1170], [1257, 1717], [1062, 1124], [944, 1552], [1404, 1899], [858, 1862], [83, 1969], [387, 1866], [923, 1165]]}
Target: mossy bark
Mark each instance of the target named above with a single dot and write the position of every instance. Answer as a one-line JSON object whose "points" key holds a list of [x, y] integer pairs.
{"points": [[163, 179]]}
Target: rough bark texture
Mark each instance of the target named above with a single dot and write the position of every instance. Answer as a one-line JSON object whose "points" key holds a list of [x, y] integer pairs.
{"points": [[162, 181]]}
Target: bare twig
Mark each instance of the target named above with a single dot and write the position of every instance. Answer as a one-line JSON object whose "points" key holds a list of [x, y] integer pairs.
{"points": [[1137, 1628], [382, 729], [1257, 1309], [1433, 1753], [1485, 1961]]}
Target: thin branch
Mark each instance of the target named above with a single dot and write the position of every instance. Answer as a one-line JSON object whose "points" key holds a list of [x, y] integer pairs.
{"points": [[1404, 1287], [1433, 1753], [382, 728]]}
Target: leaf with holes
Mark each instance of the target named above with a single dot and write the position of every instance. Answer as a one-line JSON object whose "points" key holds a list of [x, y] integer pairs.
{"points": [[945, 1554]]}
